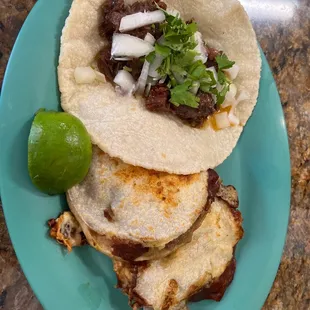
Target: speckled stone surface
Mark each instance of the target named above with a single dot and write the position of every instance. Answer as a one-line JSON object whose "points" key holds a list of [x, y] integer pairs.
{"points": [[283, 30]]}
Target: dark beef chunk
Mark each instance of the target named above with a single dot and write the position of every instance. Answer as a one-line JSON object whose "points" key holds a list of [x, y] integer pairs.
{"points": [[114, 10], [196, 116], [212, 53], [158, 99], [112, 13], [136, 66], [106, 65]]}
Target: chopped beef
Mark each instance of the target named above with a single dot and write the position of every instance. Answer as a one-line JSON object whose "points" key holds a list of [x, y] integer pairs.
{"points": [[136, 67], [114, 10], [106, 65], [212, 53], [196, 116], [112, 13], [158, 99]]}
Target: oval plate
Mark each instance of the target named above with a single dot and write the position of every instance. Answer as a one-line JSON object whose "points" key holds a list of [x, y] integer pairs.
{"points": [[259, 168]]}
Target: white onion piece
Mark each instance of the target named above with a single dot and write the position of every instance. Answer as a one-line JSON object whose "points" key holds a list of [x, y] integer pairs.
{"points": [[84, 75], [213, 70], [137, 20], [233, 119], [155, 65], [232, 72], [129, 46], [222, 120], [195, 87], [200, 48], [141, 83], [122, 58], [100, 76], [149, 38], [162, 80], [147, 89], [125, 80], [140, 86], [231, 94]]}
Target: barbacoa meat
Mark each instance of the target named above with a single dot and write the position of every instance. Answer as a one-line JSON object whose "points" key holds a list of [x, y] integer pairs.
{"points": [[114, 10], [158, 101], [196, 116]]}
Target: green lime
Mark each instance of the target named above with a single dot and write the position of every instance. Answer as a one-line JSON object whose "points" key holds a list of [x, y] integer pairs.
{"points": [[59, 151]]}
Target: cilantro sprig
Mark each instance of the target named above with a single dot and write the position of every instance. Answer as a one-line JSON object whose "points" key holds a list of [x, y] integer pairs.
{"points": [[181, 95]]}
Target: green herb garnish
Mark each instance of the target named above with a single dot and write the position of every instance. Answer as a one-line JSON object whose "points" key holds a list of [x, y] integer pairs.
{"points": [[223, 62], [180, 95]]}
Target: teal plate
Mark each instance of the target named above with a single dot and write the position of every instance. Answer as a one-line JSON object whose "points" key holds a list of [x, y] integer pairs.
{"points": [[259, 168]]}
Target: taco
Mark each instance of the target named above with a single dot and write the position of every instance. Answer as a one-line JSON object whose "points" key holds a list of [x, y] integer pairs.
{"points": [[161, 85], [137, 214]]}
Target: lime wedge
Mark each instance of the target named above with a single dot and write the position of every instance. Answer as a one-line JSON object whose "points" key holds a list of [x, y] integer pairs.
{"points": [[59, 151]]}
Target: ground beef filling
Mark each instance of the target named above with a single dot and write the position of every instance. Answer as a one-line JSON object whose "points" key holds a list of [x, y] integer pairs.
{"points": [[159, 95]]}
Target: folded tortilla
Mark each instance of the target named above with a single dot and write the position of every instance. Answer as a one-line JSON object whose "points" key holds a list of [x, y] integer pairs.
{"points": [[122, 127], [139, 214], [201, 269]]}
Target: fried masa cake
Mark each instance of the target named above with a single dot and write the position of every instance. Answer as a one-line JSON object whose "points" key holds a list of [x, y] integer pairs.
{"points": [[138, 214], [201, 269]]}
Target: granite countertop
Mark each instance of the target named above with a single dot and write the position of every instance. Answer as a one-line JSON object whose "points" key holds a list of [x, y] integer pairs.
{"points": [[283, 30]]}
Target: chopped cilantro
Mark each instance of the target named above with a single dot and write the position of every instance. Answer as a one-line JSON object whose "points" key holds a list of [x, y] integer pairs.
{"points": [[150, 57], [162, 50], [179, 64], [223, 62], [180, 95]]}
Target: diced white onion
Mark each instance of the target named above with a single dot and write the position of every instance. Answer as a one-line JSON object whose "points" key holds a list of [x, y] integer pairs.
{"points": [[194, 88], [84, 75], [147, 89], [100, 76], [140, 86], [122, 58], [232, 72], [222, 120], [231, 94], [200, 48], [125, 80], [155, 65], [141, 83], [213, 70], [233, 119], [162, 80], [149, 38], [129, 46], [137, 20]]}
